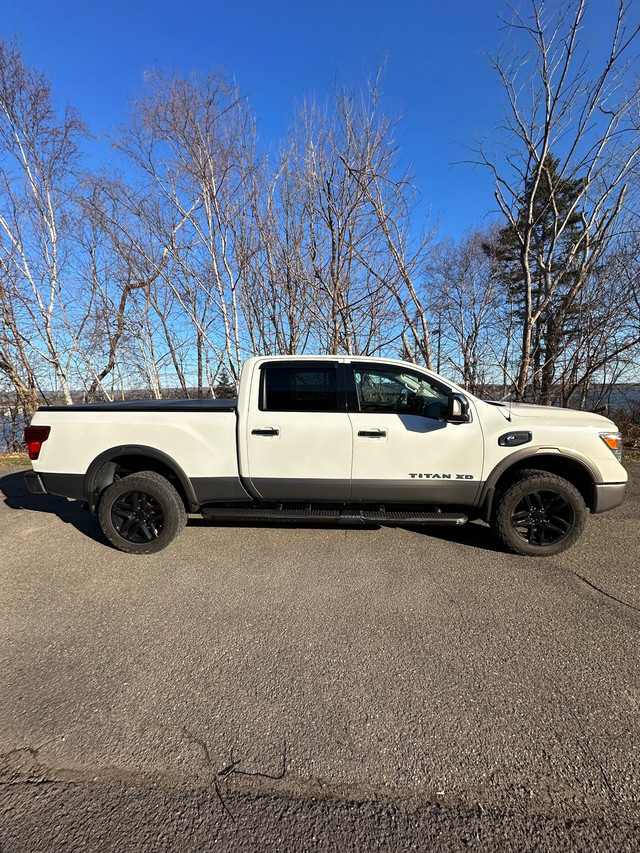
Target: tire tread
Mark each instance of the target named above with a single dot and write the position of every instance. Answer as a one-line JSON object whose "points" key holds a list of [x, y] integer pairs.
{"points": [[161, 488]]}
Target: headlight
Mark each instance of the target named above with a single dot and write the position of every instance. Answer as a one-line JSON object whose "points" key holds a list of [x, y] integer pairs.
{"points": [[613, 440]]}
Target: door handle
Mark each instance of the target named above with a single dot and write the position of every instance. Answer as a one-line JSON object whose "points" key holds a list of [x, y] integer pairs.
{"points": [[266, 431], [372, 433]]}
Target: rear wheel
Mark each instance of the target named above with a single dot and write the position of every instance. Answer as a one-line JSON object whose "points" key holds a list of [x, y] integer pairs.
{"points": [[141, 513], [539, 515]]}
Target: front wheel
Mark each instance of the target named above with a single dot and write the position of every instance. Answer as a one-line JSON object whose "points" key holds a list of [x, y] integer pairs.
{"points": [[141, 513], [540, 514]]}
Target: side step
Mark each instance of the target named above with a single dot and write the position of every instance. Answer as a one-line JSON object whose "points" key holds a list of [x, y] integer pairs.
{"points": [[332, 516]]}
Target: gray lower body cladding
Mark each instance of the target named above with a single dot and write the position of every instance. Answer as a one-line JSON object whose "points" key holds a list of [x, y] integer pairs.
{"points": [[222, 490], [421, 492], [230, 490]]}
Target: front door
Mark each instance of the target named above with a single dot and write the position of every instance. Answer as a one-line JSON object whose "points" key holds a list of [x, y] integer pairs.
{"points": [[404, 451]]}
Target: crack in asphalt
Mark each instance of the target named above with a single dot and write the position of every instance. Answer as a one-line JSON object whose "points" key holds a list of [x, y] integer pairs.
{"points": [[605, 593], [231, 769]]}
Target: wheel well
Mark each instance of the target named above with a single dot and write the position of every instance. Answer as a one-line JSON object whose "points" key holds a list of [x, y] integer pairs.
{"points": [[132, 463], [569, 469]]}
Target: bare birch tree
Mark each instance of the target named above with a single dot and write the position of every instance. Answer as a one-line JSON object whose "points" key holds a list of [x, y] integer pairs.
{"points": [[278, 293], [565, 124], [402, 247], [191, 140], [38, 163], [466, 299], [337, 231], [119, 265], [343, 172], [604, 338]]}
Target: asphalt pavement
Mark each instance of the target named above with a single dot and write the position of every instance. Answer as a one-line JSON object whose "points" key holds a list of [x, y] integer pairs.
{"points": [[316, 689]]}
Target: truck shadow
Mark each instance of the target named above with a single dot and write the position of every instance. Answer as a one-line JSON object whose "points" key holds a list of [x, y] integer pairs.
{"points": [[17, 496], [473, 534]]}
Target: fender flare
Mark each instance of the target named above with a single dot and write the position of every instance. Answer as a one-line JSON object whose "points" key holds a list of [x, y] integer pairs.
{"points": [[90, 486], [530, 454]]}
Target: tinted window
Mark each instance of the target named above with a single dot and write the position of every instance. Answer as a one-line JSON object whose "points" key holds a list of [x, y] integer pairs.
{"points": [[300, 389], [398, 390]]}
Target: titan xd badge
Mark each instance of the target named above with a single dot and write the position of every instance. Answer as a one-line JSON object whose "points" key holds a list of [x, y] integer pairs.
{"points": [[441, 476]]}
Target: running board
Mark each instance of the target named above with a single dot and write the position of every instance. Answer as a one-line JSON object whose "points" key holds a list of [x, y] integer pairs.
{"points": [[331, 516]]}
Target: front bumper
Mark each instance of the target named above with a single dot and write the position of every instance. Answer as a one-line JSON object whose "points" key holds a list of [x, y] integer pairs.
{"points": [[34, 483], [608, 496]]}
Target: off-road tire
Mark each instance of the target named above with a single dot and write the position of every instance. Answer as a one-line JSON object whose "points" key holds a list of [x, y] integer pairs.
{"points": [[539, 515], [141, 513]]}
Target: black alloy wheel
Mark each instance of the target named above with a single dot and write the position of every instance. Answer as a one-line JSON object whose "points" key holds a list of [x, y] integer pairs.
{"points": [[141, 513], [543, 517], [138, 517], [540, 514]]}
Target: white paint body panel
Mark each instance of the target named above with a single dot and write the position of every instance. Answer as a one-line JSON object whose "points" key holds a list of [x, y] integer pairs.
{"points": [[566, 432], [419, 450], [325, 446], [203, 444]]}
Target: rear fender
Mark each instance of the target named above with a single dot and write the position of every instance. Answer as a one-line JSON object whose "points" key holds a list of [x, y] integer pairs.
{"points": [[101, 472]]}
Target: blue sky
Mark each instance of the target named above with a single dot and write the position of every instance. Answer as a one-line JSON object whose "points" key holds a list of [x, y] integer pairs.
{"points": [[438, 77]]}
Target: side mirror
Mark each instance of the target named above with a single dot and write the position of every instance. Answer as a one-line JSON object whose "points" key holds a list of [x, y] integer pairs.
{"points": [[457, 409]]}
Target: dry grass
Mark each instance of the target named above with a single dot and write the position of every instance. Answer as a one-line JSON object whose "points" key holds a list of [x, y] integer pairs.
{"points": [[10, 459], [629, 426]]}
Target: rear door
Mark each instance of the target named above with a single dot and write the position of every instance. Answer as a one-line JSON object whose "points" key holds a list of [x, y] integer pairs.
{"points": [[298, 433], [404, 451]]}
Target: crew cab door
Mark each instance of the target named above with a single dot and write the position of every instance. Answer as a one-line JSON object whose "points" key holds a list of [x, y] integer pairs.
{"points": [[404, 451], [297, 432]]}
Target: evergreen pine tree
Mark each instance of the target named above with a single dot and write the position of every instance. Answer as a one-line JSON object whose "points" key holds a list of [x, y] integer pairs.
{"points": [[225, 389], [550, 224]]}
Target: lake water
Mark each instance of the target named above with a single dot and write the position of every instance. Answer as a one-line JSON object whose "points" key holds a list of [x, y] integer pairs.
{"points": [[8, 430]]}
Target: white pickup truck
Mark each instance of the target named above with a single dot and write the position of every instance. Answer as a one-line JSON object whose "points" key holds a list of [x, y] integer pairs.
{"points": [[331, 439]]}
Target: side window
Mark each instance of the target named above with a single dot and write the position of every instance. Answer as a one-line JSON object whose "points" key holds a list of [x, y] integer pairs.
{"points": [[300, 389], [398, 391], [378, 392]]}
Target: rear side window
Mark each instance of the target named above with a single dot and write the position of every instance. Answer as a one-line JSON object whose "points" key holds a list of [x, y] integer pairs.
{"points": [[300, 389]]}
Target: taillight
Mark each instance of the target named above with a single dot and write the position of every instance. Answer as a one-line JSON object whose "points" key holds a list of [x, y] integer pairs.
{"points": [[34, 436]]}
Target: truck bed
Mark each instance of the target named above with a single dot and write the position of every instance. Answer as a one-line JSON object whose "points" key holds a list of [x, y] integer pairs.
{"points": [[200, 405]]}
